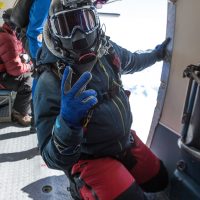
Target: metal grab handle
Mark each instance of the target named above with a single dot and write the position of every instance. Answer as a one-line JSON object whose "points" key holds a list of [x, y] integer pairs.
{"points": [[191, 150], [193, 72]]}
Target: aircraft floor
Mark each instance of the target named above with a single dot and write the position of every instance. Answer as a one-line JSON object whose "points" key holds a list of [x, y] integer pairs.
{"points": [[23, 174]]}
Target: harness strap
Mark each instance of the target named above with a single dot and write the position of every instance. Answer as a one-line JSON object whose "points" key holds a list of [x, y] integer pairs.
{"points": [[80, 183], [113, 58]]}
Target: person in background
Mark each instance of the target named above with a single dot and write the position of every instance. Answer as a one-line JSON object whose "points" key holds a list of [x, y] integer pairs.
{"points": [[82, 111], [15, 67], [37, 17]]}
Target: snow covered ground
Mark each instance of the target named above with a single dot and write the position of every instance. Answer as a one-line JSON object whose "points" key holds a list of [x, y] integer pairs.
{"points": [[143, 86], [141, 26]]}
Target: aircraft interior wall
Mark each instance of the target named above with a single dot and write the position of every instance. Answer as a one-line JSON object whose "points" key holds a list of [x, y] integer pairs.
{"points": [[175, 142], [186, 48]]}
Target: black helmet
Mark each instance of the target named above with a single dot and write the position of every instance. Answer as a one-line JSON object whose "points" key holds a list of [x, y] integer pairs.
{"points": [[73, 29], [7, 18], [7, 14]]}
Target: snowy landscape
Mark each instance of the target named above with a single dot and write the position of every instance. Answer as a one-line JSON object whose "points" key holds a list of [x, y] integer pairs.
{"points": [[141, 26]]}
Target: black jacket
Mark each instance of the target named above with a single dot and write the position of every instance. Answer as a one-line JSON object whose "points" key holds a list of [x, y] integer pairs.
{"points": [[108, 131]]}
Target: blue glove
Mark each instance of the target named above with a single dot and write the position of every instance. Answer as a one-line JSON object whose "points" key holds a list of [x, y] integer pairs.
{"points": [[76, 101], [161, 49]]}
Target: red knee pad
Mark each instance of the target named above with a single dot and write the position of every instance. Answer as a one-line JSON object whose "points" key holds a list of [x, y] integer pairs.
{"points": [[147, 165], [105, 178]]}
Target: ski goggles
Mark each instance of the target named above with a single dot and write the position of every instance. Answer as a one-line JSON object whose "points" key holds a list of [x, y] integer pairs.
{"points": [[65, 23]]}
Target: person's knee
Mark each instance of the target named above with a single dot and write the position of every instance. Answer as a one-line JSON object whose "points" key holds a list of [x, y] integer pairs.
{"points": [[149, 171], [159, 182]]}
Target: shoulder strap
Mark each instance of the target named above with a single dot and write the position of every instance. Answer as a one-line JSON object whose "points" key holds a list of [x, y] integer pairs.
{"points": [[113, 58], [114, 61]]}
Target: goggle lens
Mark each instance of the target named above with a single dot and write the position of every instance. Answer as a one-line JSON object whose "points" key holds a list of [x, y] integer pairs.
{"points": [[66, 22]]}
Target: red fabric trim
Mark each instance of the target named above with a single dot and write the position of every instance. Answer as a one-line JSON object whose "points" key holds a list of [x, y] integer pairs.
{"points": [[107, 177], [147, 165]]}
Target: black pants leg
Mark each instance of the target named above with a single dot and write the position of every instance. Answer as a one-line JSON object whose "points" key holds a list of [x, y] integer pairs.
{"points": [[22, 85]]}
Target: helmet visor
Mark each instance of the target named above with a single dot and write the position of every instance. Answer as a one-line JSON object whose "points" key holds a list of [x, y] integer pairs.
{"points": [[64, 23]]}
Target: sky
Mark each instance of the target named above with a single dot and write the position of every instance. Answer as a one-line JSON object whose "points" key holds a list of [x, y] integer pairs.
{"points": [[141, 26]]}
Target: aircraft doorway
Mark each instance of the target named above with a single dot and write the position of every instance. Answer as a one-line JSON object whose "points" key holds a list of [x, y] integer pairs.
{"points": [[140, 26]]}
